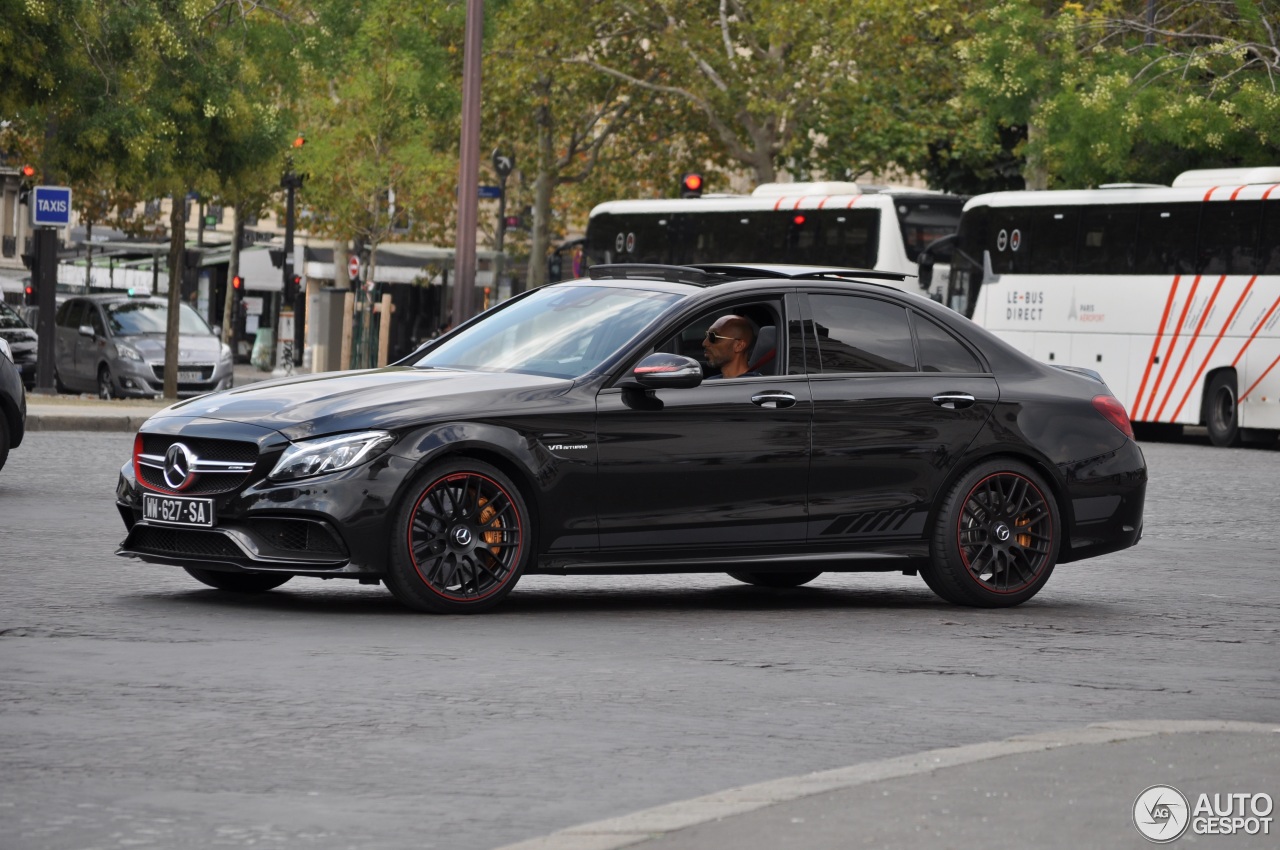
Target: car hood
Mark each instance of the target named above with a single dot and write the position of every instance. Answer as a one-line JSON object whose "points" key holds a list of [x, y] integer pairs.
{"points": [[192, 348], [390, 398], [19, 338]]}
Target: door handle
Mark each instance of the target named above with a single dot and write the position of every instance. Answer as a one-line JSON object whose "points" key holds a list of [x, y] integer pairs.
{"points": [[773, 399], [953, 401]]}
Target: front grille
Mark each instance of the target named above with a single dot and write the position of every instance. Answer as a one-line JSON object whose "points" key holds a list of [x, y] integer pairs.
{"points": [[183, 543], [230, 451], [298, 535]]}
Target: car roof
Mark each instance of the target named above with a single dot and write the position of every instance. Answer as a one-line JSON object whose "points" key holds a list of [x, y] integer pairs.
{"points": [[712, 274]]}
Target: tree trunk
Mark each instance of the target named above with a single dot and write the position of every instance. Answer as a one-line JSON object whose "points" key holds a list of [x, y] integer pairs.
{"points": [[177, 270], [540, 237], [1035, 173]]}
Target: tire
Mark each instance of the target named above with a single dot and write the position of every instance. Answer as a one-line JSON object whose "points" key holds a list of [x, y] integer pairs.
{"points": [[1222, 410], [238, 582], [4, 439], [106, 387], [57, 382], [776, 579], [461, 538], [996, 539]]}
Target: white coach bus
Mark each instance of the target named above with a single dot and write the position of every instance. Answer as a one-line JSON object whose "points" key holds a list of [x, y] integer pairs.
{"points": [[828, 224], [1170, 293]]}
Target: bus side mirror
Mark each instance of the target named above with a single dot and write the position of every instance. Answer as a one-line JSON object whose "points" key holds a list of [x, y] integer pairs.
{"points": [[926, 263]]}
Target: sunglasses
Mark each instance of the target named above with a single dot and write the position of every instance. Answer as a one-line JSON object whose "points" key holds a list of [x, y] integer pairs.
{"points": [[713, 337]]}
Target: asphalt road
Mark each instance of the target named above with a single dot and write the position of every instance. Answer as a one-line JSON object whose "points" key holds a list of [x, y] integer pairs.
{"points": [[139, 709]]}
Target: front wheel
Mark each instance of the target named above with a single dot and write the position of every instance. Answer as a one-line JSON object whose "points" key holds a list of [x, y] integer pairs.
{"points": [[106, 387], [776, 579], [238, 582], [461, 539], [996, 539]]}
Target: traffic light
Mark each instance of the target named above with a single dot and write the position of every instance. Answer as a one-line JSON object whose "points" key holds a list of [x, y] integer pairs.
{"points": [[29, 296], [691, 185], [237, 283], [27, 175], [291, 288]]}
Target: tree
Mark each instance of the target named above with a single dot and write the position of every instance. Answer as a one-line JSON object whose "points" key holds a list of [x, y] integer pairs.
{"points": [[1098, 94]]}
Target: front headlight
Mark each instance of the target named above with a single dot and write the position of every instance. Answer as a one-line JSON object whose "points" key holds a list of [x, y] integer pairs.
{"points": [[330, 454], [128, 353], [226, 351]]}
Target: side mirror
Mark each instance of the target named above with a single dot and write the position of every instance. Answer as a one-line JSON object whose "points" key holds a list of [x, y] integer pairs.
{"points": [[667, 371], [926, 262], [86, 330], [217, 330]]}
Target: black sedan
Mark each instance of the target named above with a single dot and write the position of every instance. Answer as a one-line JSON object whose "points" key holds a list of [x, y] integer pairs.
{"points": [[772, 423]]}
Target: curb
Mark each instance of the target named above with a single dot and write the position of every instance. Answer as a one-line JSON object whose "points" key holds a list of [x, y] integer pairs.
{"points": [[651, 824], [82, 422]]}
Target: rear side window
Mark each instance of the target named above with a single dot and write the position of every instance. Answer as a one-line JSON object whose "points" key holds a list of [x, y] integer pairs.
{"points": [[854, 334], [940, 351]]}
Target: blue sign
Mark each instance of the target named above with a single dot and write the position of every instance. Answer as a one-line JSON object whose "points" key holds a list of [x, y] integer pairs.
{"points": [[50, 206], [491, 192]]}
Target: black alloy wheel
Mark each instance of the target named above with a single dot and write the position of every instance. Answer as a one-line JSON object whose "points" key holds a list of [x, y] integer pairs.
{"points": [[461, 540], [238, 582], [106, 389], [1222, 412], [997, 536], [775, 579]]}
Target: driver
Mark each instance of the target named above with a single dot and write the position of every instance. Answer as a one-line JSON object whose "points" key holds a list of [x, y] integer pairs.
{"points": [[727, 345]]}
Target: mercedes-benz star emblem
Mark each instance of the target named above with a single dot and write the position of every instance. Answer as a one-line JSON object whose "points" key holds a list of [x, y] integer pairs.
{"points": [[178, 463], [462, 536], [1002, 532]]}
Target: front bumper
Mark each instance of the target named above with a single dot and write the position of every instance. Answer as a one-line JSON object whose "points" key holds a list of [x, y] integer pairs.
{"points": [[143, 379], [333, 525]]}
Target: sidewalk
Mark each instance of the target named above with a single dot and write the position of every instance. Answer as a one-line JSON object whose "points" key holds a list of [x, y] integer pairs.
{"points": [[1072, 789], [86, 412]]}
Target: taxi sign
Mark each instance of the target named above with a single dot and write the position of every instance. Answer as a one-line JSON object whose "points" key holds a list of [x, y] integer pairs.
{"points": [[50, 206]]}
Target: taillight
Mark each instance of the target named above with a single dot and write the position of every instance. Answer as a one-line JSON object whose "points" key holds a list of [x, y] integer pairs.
{"points": [[1113, 411]]}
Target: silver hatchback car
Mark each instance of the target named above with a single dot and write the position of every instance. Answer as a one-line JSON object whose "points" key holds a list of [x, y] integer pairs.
{"points": [[115, 345]]}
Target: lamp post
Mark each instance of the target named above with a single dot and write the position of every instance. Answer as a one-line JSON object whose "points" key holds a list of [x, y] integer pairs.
{"points": [[464, 275]]}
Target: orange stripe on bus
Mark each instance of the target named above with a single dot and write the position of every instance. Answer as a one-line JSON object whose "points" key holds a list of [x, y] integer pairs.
{"points": [[1237, 192], [1209, 193], [1155, 347], [855, 199], [1191, 344], [1260, 377], [1260, 326], [778, 204], [823, 202], [1205, 364], [1267, 194], [1177, 332]]}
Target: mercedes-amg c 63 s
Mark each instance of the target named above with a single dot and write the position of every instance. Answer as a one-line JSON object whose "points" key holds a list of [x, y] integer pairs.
{"points": [[584, 428]]}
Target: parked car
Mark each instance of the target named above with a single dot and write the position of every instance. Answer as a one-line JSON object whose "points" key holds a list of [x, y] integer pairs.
{"points": [[114, 344], [578, 429], [22, 341], [13, 403]]}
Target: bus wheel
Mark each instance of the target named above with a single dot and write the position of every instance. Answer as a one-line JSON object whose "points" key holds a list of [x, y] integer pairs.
{"points": [[1222, 413]]}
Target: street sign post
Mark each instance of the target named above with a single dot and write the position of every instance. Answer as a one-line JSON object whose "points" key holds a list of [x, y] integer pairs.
{"points": [[50, 206], [491, 193]]}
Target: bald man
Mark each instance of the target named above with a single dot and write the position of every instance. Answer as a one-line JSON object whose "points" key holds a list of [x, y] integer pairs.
{"points": [[727, 346]]}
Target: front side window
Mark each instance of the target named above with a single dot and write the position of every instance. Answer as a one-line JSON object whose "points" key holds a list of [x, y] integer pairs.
{"points": [[850, 333], [560, 332]]}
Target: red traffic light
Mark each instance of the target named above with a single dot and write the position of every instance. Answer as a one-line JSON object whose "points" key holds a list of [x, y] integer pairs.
{"points": [[28, 171], [237, 282], [691, 185]]}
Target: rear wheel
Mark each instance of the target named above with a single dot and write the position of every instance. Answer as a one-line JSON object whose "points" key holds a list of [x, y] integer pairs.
{"points": [[1222, 413], [461, 539], [238, 582], [106, 387], [996, 539], [776, 579]]}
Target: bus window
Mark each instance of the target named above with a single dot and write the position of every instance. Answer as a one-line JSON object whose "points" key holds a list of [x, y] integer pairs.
{"points": [[1033, 240], [1166, 236], [923, 221], [1108, 237], [1229, 237], [1269, 245]]}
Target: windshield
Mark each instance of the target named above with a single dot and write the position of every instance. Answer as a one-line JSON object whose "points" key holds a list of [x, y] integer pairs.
{"points": [[10, 320], [129, 318], [560, 331]]}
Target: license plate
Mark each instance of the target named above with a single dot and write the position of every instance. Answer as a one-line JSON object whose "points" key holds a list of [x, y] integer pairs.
{"points": [[177, 510], [188, 377]]}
